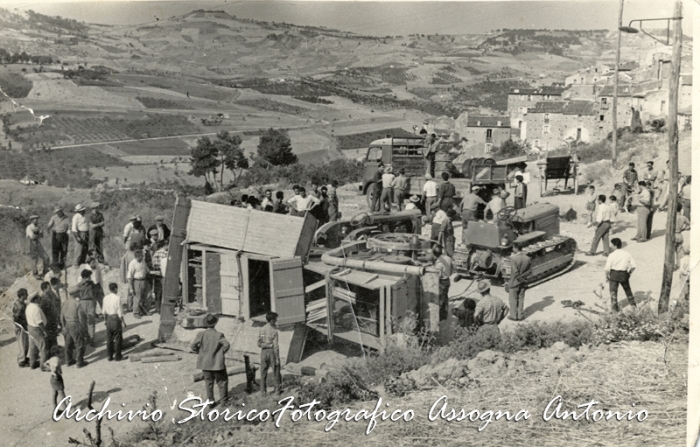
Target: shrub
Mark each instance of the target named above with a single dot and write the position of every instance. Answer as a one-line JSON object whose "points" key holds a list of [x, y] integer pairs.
{"points": [[338, 387], [342, 170]]}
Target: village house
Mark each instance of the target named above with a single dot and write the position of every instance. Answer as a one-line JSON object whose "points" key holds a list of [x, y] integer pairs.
{"points": [[552, 124], [520, 99], [587, 76], [483, 133]]}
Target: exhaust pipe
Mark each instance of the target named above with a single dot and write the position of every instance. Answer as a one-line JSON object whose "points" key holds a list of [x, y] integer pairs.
{"points": [[338, 258]]}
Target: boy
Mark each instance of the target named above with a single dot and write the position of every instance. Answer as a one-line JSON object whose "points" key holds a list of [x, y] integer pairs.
{"points": [[56, 381], [114, 320], [614, 208], [590, 204], [268, 342], [19, 309], [211, 345]]}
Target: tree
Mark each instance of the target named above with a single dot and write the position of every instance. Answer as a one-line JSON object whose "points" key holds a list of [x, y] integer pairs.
{"points": [[231, 155], [212, 157], [509, 148], [276, 147], [204, 161]]}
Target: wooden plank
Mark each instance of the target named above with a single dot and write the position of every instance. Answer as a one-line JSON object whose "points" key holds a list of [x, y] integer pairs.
{"points": [[212, 281], [199, 376], [382, 337], [306, 237], [314, 286], [287, 290], [296, 347]]}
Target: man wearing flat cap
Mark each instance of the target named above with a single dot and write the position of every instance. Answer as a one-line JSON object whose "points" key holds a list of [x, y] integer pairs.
{"points": [[85, 292], [81, 233], [59, 226], [97, 223], [34, 248], [489, 311], [210, 346], [163, 232]]}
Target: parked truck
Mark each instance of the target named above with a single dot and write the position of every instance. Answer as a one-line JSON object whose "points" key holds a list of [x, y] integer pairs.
{"points": [[408, 153]]}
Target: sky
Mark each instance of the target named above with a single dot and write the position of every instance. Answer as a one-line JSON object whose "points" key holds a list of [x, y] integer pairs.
{"points": [[375, 17]]}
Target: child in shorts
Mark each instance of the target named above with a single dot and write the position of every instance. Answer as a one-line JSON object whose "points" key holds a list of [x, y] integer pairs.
{"points": [[56, 381]]}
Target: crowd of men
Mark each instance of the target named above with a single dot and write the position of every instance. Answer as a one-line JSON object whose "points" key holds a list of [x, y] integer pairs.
{"points": [[321, 202], [75, 310]]}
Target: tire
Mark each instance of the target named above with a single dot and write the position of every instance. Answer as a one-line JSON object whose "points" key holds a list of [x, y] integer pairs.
{"points": [[370, 196]]}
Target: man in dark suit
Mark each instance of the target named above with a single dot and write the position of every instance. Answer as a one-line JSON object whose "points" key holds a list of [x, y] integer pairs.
{"points": [[446, 193], [520, 196], [520, 269], [211, 345]]}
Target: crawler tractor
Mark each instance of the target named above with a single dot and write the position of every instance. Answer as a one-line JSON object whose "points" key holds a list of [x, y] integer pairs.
{"points": [[535, 229]]}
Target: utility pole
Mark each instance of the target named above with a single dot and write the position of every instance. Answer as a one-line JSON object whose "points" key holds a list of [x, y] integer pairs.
{"points": [[617, 81], [672, 130]]}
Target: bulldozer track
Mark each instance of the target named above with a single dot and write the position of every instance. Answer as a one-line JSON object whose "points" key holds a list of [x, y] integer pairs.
{"points": [[555, 274]]}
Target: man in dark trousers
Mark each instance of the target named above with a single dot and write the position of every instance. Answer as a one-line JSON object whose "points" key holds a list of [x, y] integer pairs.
{"points": [[520, 195], [443, 264], [74, 321], [114, 322], [268, 342], [446, 193], [469, 207], [36, 326], [85, 292], [618, 269], [81, 234], [19, 316], [211, 345], [51, 306], [59, 226], [375, 205], [603, 217], [520, 269], [644, 213], [97, 234]]}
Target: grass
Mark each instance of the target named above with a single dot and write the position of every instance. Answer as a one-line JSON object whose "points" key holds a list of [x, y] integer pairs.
{"points": [[157, 103], [61, 167], [170, 146], [13, 83], [272, 106]]}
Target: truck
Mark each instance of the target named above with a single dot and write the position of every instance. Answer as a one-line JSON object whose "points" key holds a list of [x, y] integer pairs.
{"points": [[408, 153]]}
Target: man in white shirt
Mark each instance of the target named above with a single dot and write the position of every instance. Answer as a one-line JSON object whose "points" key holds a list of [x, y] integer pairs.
{"points": [[429, 195], [36, 327], [129, 228], [114, 320], [385, 201], [303, 202], [267, 200], [438, 218], [137, 277], [81, 233], [603, 218], [618, 269]]}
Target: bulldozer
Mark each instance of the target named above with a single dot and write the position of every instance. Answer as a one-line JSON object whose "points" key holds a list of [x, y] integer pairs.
{"points": [[535, 229]]}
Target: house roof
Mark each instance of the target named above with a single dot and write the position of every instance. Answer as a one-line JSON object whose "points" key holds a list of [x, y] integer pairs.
{"points": [[487, 121], [573, 107], [639, 89], [546, 90]]}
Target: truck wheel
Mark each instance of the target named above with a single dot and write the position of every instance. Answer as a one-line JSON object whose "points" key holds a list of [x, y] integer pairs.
{"points": [[370, 196]]}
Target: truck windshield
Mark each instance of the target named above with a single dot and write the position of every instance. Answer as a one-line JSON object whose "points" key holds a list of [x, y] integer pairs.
{"points": [[374, 154]]}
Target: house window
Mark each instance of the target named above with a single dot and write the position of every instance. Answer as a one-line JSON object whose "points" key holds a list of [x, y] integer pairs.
{"points": [[489, 146], [602, 117], [545, 129], [546, 117], [529, 97], [520, 124], [489, 134], [663, 106]]}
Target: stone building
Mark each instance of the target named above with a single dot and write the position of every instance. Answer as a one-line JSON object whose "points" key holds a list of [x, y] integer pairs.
{"points": [[520, 99], [551, 124], [482, 133]]}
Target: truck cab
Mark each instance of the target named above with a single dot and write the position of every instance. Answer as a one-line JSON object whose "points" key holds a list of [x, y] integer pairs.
{"points": [[406, 153]]}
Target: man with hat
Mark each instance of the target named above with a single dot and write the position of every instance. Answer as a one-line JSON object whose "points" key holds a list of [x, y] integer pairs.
{"points": [[429, 195], [413, 203], [489, 311], [97, 223], [36, 327], [59, 226], [210, 346], [385, 201], [34, 248], [80, 229], [520, 269], [162, 230], [85, 292], [468, 208], [137, 234], [439, 218]]}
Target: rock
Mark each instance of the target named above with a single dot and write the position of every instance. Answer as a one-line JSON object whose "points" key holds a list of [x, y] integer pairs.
{"points": [[489, 356], [219, 438]]}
